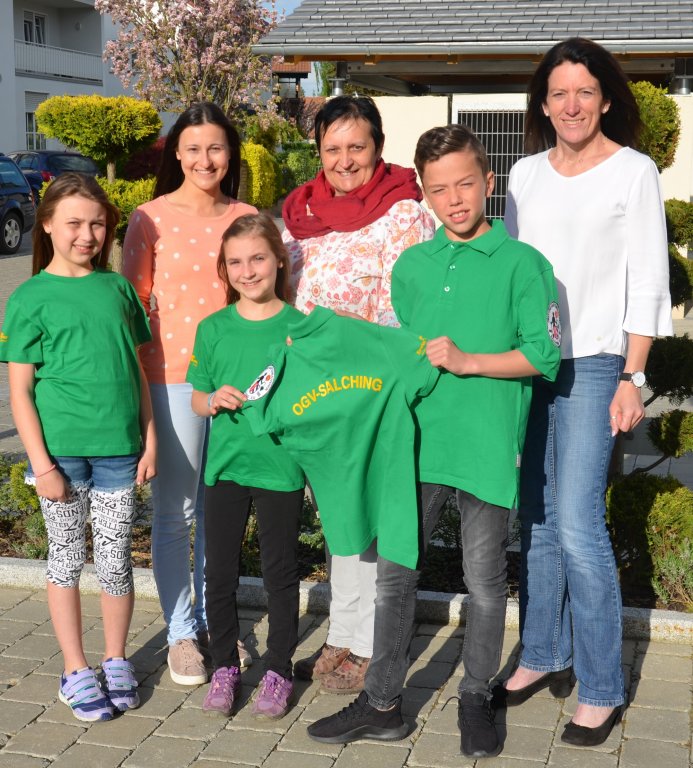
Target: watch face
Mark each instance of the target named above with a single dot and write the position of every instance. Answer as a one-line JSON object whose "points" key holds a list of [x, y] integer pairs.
{"points": [[638, 378]]}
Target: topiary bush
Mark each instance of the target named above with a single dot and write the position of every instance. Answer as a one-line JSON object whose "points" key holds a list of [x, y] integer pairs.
{"points": [[298, 163], [672, 434], [126, 196], [661, 123], [263, 177], [629, 504]]}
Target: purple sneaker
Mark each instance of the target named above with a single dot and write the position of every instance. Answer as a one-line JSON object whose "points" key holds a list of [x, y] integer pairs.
{"points": [[275, 695], [223, 691], [82, 693], [120, 684]]}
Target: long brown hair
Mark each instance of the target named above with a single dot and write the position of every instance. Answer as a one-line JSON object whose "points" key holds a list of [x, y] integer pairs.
{"points": [[71, 185], [257, 225]]}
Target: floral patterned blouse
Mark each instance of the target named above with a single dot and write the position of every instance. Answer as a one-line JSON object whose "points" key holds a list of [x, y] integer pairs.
{"points": [[352, 270]]}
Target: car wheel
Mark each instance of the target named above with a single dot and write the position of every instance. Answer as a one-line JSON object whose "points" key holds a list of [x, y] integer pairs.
{"points": [[10, 233]]}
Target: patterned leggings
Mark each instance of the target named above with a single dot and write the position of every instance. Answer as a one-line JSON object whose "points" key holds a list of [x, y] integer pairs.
{"points": [[112, 515]]}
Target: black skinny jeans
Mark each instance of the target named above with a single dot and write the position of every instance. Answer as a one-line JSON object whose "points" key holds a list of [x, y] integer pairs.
{"points": [[227, 506]]}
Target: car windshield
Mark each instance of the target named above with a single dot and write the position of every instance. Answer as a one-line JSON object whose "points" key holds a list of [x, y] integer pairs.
{"points": [[60, 163]]}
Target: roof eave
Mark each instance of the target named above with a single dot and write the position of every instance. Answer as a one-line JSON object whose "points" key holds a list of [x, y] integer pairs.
{"points": [[335, 52]]}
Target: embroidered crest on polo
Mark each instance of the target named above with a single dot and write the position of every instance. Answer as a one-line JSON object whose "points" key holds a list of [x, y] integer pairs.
{"points": [[262, 385], [553, 324]]}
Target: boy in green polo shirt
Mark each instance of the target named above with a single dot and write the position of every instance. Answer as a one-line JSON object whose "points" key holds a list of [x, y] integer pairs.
{"points": [[488, 305]]}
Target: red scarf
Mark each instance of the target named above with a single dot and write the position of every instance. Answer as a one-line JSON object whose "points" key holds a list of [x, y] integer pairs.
{"points": [[313, 209]]}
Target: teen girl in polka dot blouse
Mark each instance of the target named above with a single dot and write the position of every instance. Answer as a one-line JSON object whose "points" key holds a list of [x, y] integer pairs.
{"points": [[170, 254]]}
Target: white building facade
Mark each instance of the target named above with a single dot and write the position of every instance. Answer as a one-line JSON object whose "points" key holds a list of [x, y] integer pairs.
{"points": [[48, 48]]}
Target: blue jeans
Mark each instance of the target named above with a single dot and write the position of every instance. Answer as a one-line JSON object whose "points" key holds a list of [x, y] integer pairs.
{"points": [[484, 539], [102, 473], [178, 500], [570, 601]]}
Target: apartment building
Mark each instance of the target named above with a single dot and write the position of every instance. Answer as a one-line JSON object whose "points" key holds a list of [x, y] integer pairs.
{"points": [[48, 48]]}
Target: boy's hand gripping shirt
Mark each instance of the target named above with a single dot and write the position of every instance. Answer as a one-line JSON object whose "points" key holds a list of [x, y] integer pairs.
{"points": [[489, 295], [339, 398]]}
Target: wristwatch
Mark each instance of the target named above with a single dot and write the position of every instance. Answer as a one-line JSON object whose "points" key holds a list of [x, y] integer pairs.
{"points": [[636, 378]]}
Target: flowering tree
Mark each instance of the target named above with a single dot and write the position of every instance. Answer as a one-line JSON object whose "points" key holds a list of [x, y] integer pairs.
{"points": [[176, 52]]}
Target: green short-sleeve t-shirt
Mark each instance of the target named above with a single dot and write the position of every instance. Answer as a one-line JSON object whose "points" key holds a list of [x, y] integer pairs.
{"points": [[489, 295], [339, 398], [81, 334], [231, 350]]}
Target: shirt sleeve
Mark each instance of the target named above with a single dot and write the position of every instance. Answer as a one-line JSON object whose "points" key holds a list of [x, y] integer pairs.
{"points": [[140, 323], [648, 303], [400, 303], [138, 255], [198, 369], [539, 322], [21, 340], [409, 224], [407, 352]]}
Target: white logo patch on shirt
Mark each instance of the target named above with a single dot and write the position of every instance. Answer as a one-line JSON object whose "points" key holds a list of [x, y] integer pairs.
{"points": [[553, 324], [262, 385]]}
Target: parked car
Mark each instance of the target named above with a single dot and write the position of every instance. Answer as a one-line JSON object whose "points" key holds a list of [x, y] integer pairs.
{"points": [[44, 165], [17, 209]]}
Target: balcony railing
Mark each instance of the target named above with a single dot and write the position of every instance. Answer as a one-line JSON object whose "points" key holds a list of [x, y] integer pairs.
{"points": [[57, 62]]}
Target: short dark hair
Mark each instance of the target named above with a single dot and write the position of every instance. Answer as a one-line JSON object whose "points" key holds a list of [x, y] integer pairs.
{"points": [[170, 174], [259, 225], [621, 123], [71, 185], [350, 108], [437, 142]]}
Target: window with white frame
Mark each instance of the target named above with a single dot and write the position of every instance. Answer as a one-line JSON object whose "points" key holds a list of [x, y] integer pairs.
{"points": [[501, 131], [34, 138], [34, 28]]}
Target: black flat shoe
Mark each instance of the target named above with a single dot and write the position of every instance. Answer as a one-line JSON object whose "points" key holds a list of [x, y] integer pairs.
{"points": [[582, 736], [559, 683]]}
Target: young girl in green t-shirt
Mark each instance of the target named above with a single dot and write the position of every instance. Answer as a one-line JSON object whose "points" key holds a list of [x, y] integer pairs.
{"points": [[230, 350], [82, 410]]}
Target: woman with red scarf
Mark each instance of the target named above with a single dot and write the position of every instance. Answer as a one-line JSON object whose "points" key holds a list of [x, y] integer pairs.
{"points": [[344, 232]]}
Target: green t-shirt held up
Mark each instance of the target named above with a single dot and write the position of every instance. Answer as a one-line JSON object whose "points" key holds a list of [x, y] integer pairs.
{"points": [[489, 295], [231, 350], [338, 398], [81, 334]]}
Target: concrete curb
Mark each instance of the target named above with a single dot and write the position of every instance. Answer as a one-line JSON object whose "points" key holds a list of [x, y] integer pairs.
{"points": [[433, 607]]}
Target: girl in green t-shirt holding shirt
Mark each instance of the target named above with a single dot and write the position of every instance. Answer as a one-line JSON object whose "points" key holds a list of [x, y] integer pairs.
{"points": [[230, 349], [82, 410]]}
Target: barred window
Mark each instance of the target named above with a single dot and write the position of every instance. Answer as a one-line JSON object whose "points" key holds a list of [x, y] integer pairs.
{"points": [[502, 133]]}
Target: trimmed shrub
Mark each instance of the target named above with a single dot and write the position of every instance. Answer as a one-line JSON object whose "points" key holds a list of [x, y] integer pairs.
{"points": [[127, 195], [298, 164], [670, 368], [672, 434], [629, 503], [679, 215], [661, 123], [262, 191], [105, 128]]}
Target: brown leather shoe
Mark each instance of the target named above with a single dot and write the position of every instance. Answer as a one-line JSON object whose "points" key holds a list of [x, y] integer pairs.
{"points": [[348, 677], [321, 663]]}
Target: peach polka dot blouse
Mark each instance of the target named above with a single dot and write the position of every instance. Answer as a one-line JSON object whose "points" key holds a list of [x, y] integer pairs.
{"points": [[171, 259], [353, 270]]}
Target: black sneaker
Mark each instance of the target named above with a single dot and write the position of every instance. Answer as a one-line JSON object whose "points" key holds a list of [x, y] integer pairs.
{"points": [[478, 733], [360, 721]]}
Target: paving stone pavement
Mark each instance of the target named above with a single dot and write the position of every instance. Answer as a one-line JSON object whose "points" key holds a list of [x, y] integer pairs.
{"points": [[169, 730]]}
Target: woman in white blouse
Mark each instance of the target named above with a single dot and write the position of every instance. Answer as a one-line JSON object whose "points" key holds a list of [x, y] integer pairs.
{"points": [[592, 205]]}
